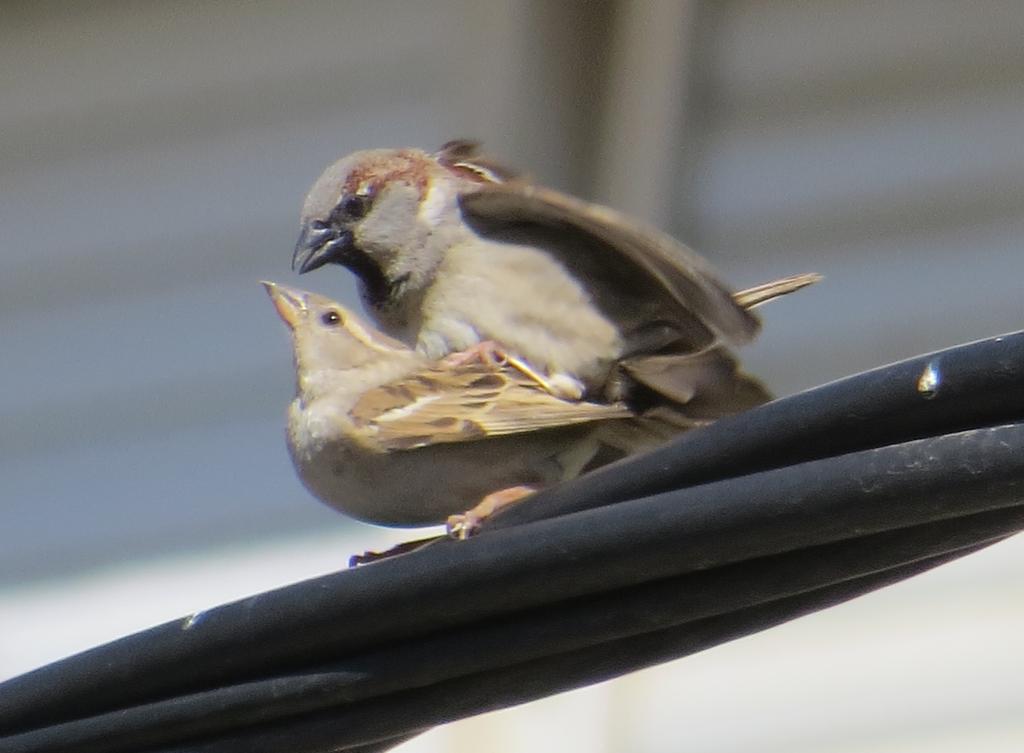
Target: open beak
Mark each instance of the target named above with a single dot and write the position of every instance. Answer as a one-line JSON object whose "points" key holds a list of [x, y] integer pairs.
{"points": [[319, 245], [290, 304]]}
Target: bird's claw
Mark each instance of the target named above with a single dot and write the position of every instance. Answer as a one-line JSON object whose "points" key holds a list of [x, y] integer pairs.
{"points": [[461, 527], [486, 352], [466, 524], [492, 355], [406, 546]]}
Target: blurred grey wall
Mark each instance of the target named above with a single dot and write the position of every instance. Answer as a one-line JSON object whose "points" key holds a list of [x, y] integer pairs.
{"points": [[875, 141], [153, 158]]}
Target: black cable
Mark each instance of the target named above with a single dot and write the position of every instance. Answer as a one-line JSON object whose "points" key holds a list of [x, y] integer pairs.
{"points": [[496, 645], [754, 520]]}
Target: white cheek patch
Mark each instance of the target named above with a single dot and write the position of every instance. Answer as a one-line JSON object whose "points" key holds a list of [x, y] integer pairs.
{"points": [[434, 204]]}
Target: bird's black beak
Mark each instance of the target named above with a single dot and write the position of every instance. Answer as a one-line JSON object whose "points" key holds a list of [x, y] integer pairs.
{"points": [[319, 245]]}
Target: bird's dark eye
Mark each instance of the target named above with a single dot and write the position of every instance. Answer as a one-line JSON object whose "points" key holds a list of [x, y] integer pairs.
{"points": [[331, 318], [354, 206]]}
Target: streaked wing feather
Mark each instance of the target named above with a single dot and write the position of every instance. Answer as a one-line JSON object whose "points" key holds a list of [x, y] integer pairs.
{"points": [[438, 405]]}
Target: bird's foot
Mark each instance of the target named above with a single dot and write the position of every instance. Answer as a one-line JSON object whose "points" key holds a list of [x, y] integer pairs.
{"points": [[465, 525], [486, 352], [494, 356], [562, 386], [405, 547]]}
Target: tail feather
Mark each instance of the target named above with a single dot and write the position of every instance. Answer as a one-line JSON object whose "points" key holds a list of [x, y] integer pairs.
{"points": [[759, 294]]}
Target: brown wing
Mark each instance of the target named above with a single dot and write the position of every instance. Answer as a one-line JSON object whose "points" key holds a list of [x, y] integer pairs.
{"points": [[708, 384], [637, 275], [441, 405], [669, 305], [701, 386]]}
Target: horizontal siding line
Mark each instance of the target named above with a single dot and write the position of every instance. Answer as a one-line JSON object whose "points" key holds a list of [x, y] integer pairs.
{"points": [[157, 408], [888, 217], [782, 43], [216, 111], [151, 266], [893, 89]]}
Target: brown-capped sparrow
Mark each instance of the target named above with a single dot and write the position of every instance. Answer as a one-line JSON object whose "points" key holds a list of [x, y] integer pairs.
{"points": [[456, 254]]}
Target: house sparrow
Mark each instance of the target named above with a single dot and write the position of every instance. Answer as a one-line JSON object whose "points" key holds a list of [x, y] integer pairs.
{"points": [[388, 435], [456, 254]]}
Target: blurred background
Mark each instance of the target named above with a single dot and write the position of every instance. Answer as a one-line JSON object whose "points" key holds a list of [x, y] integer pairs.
{"points": [[153, 159]]}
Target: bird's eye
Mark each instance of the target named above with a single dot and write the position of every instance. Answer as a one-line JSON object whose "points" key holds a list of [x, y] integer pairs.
{"points": [[354, 206], [331, 318]]}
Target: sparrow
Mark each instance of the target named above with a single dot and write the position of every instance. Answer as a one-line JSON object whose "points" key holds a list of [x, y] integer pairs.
{"points": [[456, 254], [388, 435]]}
